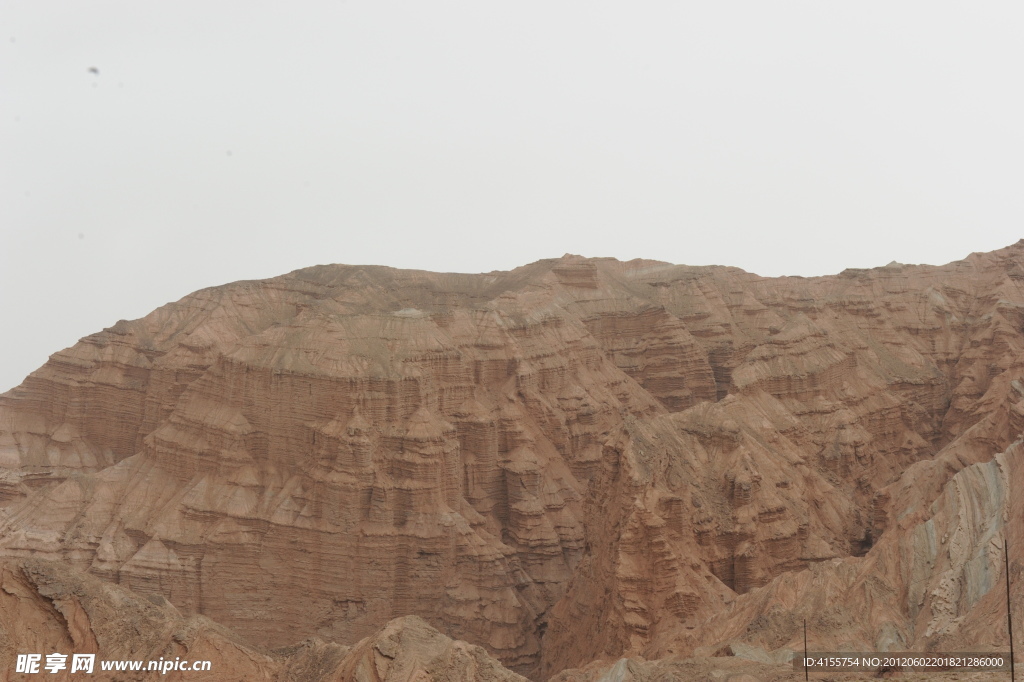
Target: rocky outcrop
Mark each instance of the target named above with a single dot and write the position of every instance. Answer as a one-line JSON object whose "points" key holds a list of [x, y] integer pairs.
{"points": [[46, 608], [409, 649], [579, 459]]}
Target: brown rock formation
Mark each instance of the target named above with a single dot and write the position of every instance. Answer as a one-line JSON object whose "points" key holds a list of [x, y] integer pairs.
{"points": [[575, 460], [409, 649], [45, 607]]}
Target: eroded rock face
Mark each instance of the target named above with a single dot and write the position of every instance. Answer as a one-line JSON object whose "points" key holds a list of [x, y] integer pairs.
{"points": [[409, 649], [46, 607], [574, 460]]}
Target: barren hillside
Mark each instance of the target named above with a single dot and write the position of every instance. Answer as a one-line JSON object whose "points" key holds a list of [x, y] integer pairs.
{"points": [[573, 462]]}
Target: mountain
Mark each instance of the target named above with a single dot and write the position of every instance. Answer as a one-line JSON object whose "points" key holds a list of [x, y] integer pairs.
{"points": [[577, 460]]}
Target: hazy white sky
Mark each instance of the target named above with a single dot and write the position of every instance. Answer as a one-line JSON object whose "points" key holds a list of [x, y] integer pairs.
{"points": [[217, 141]]}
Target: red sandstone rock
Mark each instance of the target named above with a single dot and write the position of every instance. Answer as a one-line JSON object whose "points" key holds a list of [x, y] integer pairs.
{"points": [[576, 460]]}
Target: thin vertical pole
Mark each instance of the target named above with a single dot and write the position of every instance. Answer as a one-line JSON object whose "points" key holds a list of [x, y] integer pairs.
{"points": [[1009, 616], [805, 649]]}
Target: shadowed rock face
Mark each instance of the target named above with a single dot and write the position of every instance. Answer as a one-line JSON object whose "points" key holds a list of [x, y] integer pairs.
{"points": [[577, 459]]}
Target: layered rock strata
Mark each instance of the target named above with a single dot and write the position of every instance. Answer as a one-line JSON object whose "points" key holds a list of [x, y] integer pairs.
{"points": [[579, 459], [45, 607]]}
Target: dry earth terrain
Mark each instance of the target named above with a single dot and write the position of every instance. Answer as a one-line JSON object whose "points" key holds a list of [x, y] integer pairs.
{"points": [[581, 469]]}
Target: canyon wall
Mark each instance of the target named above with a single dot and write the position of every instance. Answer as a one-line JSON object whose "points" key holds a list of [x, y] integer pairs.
{"points": [[579, 459]]}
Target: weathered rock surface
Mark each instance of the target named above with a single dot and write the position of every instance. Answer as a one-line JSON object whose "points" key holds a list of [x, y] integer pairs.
{"points": [[45, 607], [575, 460], [409, 649]]}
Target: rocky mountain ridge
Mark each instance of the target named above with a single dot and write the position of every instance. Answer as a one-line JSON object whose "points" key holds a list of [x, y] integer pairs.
{"points": [[579, 459]]}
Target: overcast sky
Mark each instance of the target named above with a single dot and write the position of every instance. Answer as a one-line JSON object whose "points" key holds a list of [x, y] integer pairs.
{"points": [[149, 149]]}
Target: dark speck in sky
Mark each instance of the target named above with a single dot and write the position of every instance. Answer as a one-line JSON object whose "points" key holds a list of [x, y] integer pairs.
{"points": [[81, 235], [93, 69]]}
